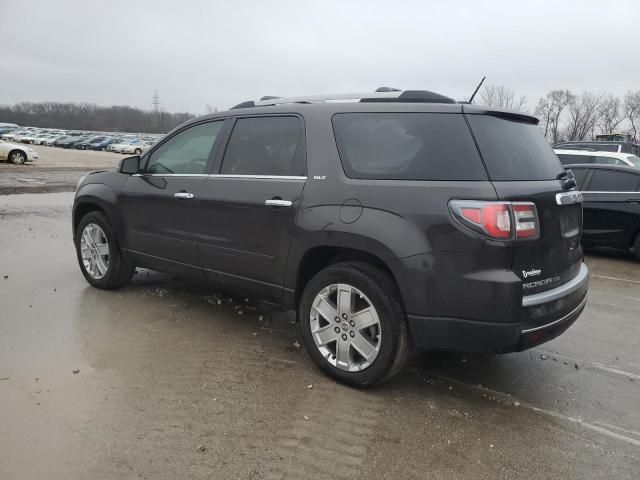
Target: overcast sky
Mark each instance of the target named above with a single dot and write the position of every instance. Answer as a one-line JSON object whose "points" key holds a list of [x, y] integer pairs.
{"points": [[199, 52]]}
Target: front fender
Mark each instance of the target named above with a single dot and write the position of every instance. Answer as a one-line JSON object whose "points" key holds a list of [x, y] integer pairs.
{"points": [[101, 195]]}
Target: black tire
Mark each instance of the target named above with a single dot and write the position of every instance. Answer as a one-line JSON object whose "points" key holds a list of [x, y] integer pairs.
{"points": [[137, 151], [119, 270], [383, 294], [17, 157]]}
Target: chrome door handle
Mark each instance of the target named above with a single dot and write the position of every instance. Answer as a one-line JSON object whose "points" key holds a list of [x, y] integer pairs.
{"points": [[183, 195], [278, 203]]}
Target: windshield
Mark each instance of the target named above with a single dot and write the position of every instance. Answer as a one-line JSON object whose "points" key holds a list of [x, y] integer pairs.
{"points": [[635, 160]]}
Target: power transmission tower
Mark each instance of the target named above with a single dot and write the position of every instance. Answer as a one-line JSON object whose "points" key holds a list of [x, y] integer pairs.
{"points": [[156, 102]]}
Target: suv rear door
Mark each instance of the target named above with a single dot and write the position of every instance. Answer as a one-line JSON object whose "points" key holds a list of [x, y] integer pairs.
{"points": [[523, 167], [248, 209]]}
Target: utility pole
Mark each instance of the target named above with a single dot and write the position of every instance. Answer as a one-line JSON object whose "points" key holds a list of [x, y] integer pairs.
{"points": [[156, 102]]}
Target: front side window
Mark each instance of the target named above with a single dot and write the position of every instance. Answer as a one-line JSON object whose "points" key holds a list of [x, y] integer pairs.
{"points": [[263, 146], [612, 181], [407, 146], [186, 152]]}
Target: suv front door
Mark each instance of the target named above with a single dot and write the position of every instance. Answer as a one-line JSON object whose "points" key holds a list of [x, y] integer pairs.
{"points": [[159, 204], [250, 205]]}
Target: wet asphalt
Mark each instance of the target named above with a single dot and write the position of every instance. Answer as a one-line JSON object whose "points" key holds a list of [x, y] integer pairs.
{"points": [[174, 380]]}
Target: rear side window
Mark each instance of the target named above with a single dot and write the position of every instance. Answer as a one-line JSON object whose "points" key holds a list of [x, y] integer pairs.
{"points": [[407, 146], [612, 181], [514, 150], [264, 146], [569, 158]]}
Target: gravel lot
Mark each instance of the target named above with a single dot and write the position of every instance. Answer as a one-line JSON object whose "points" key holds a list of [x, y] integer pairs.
{"points": [[57, 170], [178, 381]]}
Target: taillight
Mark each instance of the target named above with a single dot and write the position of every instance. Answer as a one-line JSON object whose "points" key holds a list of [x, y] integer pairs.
{"points": [[498, 220]]}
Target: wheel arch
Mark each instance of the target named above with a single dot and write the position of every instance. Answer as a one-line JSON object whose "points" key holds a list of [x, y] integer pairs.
{"points": [[96, 197], [318, 257]]}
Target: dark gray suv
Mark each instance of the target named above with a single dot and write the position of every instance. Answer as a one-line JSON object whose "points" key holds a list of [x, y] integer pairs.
{"points": [[391, 220]]}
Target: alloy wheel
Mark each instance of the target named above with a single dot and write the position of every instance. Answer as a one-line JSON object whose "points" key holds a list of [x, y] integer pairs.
{"points": [[345, 327], [94, 249]]}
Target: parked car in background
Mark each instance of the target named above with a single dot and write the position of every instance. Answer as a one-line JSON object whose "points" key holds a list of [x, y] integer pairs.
{"points": [[601, 146], [602, 158], [401, 218], [17, 154], [117, 147], [70, 142], [136, 147], [611, 206], [104, 143], [86, 144], [53, 139]]}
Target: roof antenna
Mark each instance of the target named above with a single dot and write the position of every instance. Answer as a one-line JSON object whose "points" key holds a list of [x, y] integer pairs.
{"points": [[476, 90]]}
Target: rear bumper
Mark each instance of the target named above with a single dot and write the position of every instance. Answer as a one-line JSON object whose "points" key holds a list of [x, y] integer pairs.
{"points": [[543, 317]]}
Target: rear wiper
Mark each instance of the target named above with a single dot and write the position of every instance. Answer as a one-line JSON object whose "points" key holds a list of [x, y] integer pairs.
{"points": [[567, 179]]}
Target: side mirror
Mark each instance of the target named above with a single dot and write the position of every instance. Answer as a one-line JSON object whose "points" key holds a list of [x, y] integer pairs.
{"points": [[129, 165]]}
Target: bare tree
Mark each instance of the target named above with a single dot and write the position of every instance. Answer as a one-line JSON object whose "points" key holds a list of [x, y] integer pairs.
{"points": [[209, 109], [502, 97], [87, 116], [550, 109], [611, 115], [584, 113], [631, 109]]}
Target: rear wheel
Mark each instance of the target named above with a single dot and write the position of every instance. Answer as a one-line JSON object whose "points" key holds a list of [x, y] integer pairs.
{"points": [[17, 157], [353, 323], [99, 255], [138, 151]]}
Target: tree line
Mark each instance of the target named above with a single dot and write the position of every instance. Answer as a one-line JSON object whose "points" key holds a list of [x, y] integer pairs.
{"points": [[88, 116], [565, 115]]}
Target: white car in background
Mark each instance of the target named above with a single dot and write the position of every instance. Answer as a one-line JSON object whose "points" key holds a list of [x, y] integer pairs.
{"points": [[117, 147], [568, 157], [136, 147], [40, 139], [17, 154]]}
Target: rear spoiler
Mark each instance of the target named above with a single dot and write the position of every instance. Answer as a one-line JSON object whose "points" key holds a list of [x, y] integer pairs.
{"points": [[501, 113]]}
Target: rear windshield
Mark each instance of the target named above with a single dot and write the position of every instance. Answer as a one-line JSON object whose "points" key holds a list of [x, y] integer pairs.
{"points": [[514, 150], [407, 146]]}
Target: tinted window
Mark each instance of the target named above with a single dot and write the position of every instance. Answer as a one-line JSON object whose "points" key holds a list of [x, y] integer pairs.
{"points": [[612, 181], [514, 150], [569, 158], [263, 146], [186, 152], [407, 146], [580, 174]]}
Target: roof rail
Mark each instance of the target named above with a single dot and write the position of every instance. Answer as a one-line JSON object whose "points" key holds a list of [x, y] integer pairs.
{"points": [[378, 96]]}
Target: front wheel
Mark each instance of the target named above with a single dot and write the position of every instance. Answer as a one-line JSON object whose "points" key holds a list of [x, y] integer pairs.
{"points": [[17, 157], [138, 151], [99, 255], [353, 323]]}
